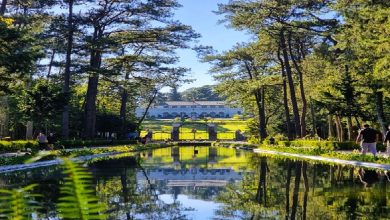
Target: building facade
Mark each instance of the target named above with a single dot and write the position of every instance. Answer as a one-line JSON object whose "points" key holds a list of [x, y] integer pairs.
{"points": [[194, 109]]}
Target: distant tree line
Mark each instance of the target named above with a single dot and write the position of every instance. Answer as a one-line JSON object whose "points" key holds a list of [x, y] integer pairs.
{"points": [[202, 93]]}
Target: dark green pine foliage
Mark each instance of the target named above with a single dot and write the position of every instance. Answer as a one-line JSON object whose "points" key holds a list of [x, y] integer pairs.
{"points": [[18, 55], [42, 102], [344, 101]]}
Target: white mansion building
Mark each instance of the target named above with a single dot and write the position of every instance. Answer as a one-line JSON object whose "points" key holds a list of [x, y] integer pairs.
{"points": [[194, 109]]}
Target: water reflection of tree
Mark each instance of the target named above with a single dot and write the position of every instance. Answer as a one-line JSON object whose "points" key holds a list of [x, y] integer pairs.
{"points": [[281, 189], [126, 197]]}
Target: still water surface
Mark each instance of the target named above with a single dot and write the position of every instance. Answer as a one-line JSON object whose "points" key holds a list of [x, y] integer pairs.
{"points": [[221, 183]]}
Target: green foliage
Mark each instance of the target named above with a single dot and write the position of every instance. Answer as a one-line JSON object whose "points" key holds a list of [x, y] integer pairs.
{"points": [[18, 204], [203, 93], [19, 53], [327, 145], [41, 102], [329, 153], [14, 146], [93, 143], [78, 200]]}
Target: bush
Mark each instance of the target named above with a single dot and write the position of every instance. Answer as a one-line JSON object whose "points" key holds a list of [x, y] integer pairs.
{"points": [[327, 145], [15, 146], [93, 143]]}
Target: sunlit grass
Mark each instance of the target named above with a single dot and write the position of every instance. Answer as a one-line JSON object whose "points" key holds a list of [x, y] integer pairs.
{"points": [[226, 129]]}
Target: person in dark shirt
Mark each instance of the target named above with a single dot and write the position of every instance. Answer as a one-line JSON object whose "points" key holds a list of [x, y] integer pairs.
{"points": [[51, 140], [367, 139], [387, 141]]}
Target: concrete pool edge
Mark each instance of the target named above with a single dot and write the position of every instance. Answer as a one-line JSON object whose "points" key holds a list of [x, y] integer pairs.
{"points": [[326, 159]]}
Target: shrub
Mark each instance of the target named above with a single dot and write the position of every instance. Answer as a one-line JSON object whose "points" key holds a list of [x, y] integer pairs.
{"points": [[93, 143], [14, 146], [328, 145]]}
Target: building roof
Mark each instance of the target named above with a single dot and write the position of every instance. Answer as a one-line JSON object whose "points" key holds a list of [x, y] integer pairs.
{"points": [[181, 103]]}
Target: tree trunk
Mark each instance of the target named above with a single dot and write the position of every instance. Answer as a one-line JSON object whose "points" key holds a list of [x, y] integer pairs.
{"points": [[66, 88], [294, 206], [313, 118], [305, 195], [330, 127], [301, 87], [93, 81], [90, 107], [340, 130], [285, 98], [288, 181], [350, 131], [151, 100], [379, 110], [51, 63], [261, 196], [122, 114], [259, 94], [3, 7], [290, 84]]}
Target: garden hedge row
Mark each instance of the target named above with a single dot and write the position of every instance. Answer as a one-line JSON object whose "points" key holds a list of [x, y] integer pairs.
{"points": [[326, 145], [15, 146], [92, 143]]}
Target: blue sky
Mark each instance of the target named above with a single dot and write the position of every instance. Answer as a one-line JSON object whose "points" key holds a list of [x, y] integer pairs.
{"points": [[199, 14]]}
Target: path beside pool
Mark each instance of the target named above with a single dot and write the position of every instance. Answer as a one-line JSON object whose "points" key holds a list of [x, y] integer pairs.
{"points": [[326, 159]]}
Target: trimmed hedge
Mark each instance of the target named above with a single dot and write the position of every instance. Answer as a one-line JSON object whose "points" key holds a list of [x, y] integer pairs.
{"points": [[15, 146], [326, 145], [92, 143]]}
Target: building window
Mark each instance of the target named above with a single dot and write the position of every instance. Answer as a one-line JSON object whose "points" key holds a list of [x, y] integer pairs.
{"points": [[212, 106], [183, 106], [204, 106], [174, 106], [165, 106], [221, 106]]}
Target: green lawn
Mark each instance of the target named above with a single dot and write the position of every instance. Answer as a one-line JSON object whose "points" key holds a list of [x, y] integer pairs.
{"points": [[225, 128]]}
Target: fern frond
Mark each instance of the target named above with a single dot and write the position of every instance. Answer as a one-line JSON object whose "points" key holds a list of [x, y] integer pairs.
{"points": [[18, 204], [78, 200]]}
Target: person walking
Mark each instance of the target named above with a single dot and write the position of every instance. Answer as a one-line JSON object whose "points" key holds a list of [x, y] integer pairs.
{"points": [[367, 139], [51, 140], [386, 142], [148, 136], [42, 141]]}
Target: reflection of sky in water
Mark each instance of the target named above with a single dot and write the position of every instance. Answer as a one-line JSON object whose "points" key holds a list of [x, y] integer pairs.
{"points": [[201, 209]]}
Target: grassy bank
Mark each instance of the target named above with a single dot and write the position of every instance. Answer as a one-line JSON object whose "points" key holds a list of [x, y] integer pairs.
{"points": [[226, 128], [15, 146], [79, 152], [316, 151], [327, 149]]}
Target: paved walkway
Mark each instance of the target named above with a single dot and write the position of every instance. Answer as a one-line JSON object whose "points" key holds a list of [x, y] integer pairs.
{"points": [[326, 159]]}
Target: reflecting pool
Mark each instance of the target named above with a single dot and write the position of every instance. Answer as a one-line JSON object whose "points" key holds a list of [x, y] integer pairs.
{"points": [[219, 183]]}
